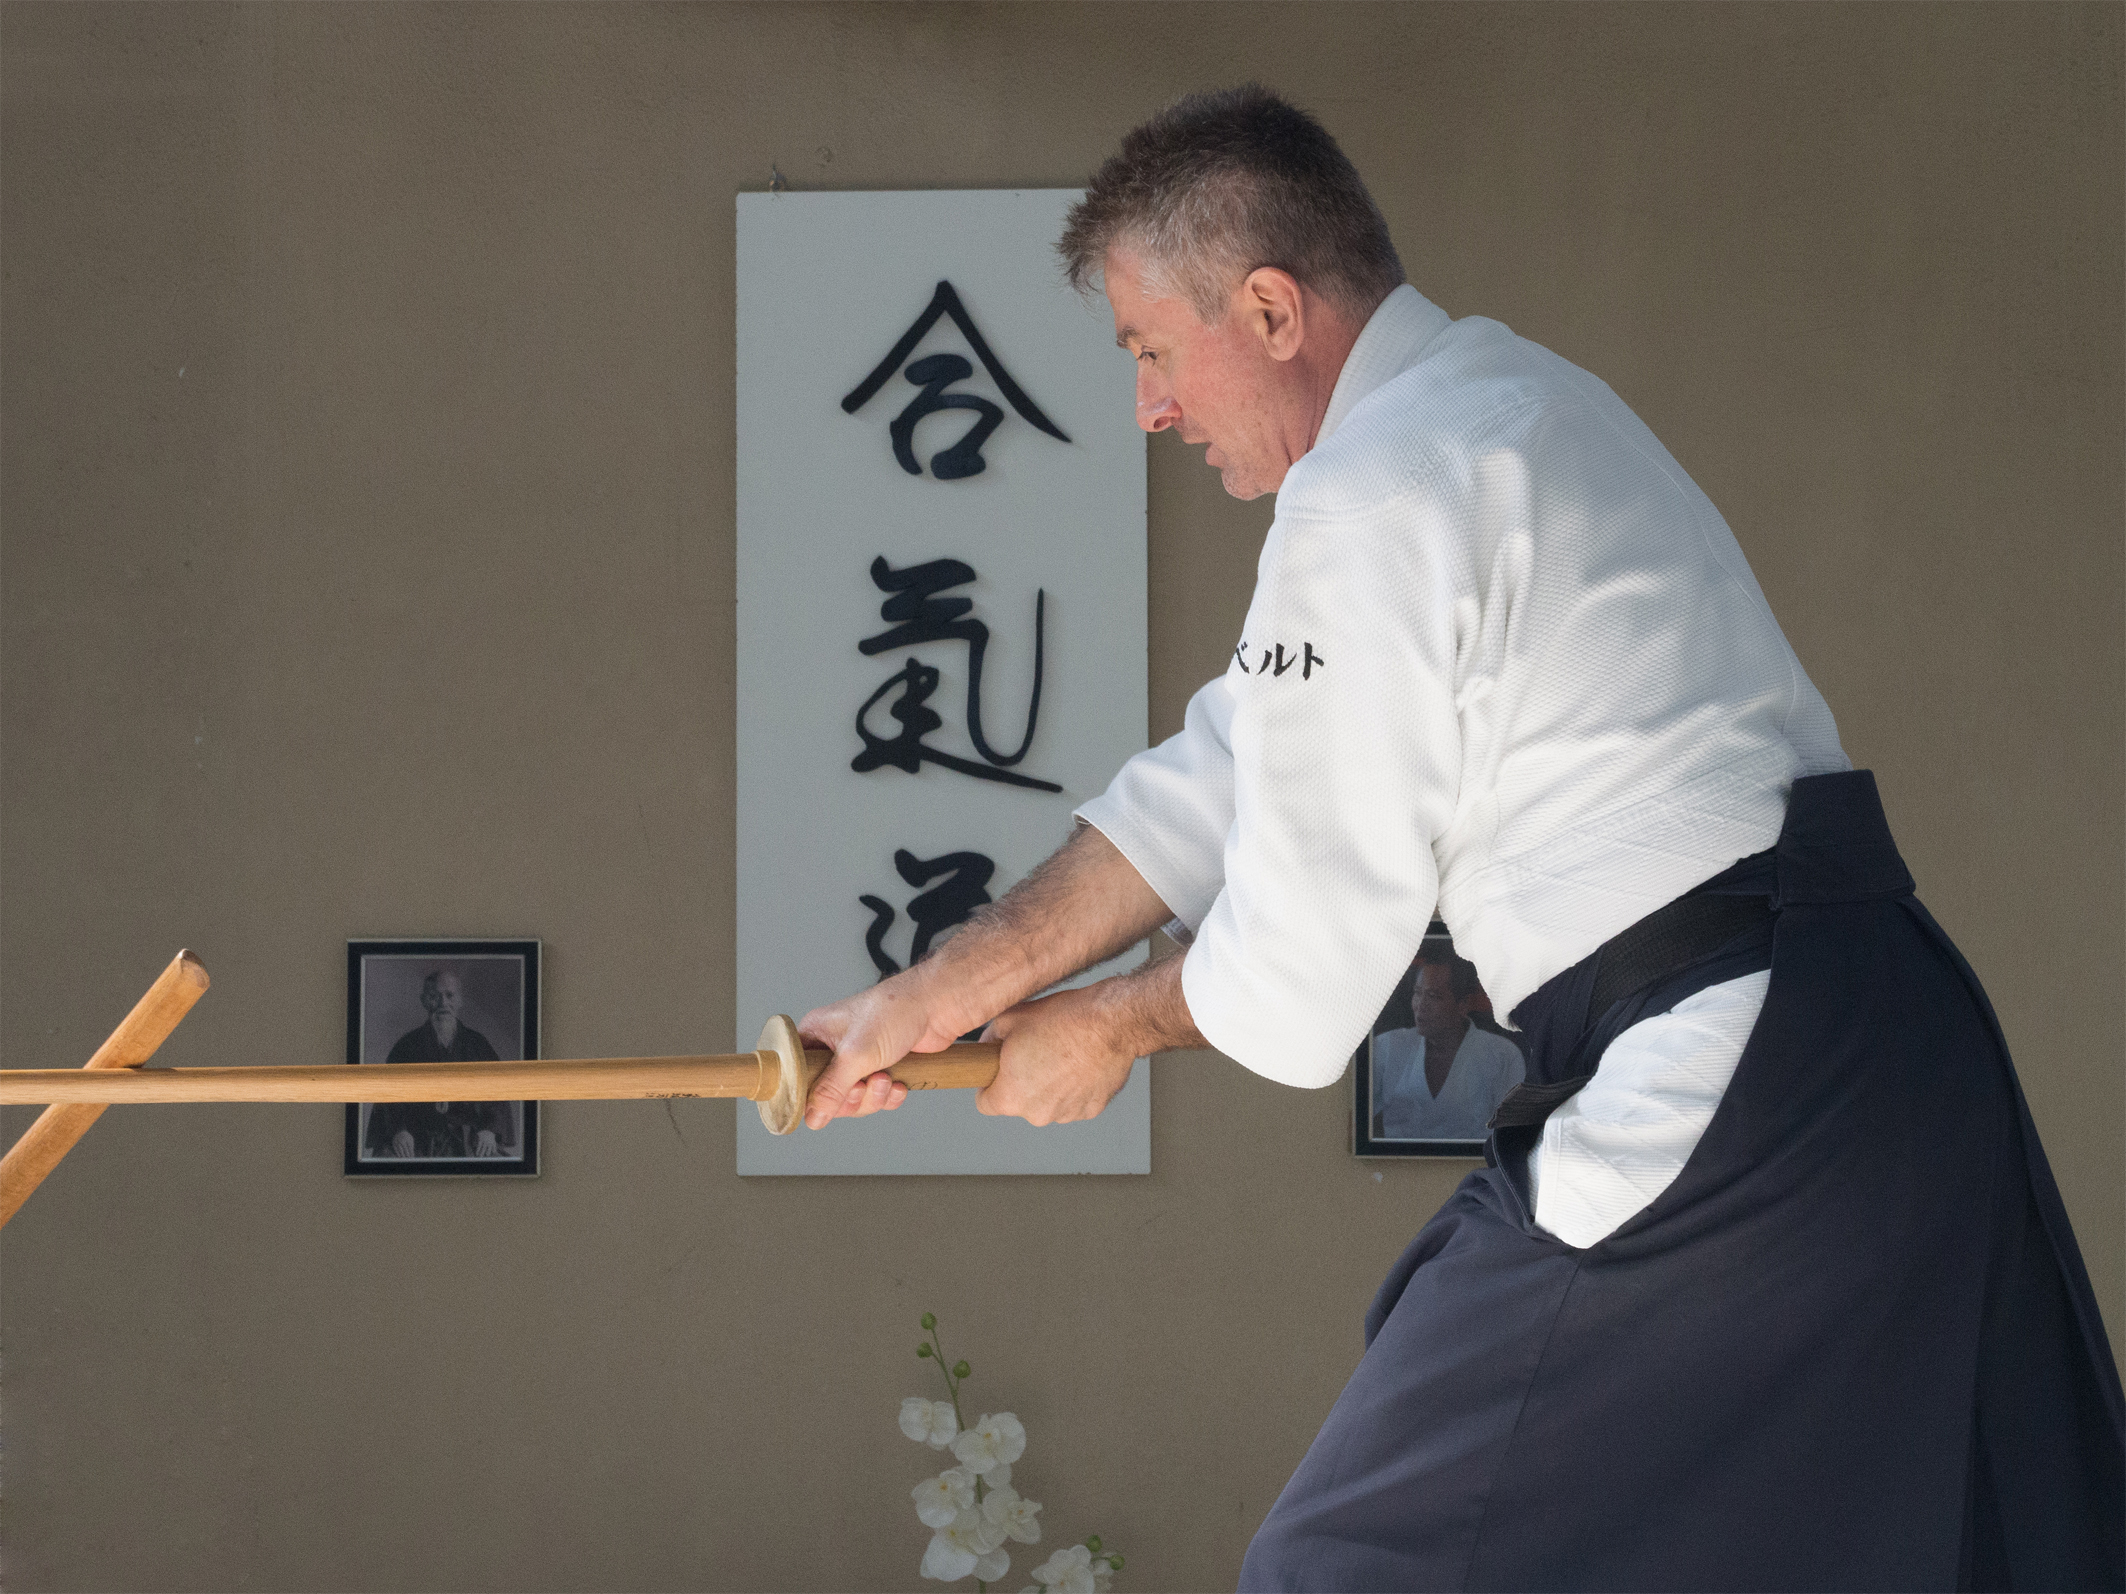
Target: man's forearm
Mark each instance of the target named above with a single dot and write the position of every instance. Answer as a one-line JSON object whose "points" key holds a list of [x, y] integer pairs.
{"points": [[1082, 905], [1146, 1012]]}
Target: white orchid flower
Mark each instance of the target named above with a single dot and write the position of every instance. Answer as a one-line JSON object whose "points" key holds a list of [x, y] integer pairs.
{"points": [[995, 1439], [1103, 1577], [966, 1544], [938, 1500], [931, 1422], [997, 1477], [972, 1532], [1068, 1571], [1014, 1514]]}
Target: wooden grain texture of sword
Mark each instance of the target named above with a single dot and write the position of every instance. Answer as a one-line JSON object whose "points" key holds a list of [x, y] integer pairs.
{"points": [[132, 1043], [753, 1076]]}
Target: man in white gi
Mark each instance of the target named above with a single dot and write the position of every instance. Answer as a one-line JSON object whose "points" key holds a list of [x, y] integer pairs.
{"points": [[1441, 1077], [1504, 660]]}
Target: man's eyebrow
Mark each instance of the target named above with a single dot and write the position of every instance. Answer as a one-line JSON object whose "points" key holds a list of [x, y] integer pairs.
{"points": [[1122, 338]]}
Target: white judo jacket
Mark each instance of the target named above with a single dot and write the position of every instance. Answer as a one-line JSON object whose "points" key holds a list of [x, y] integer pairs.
{"points": [[1504, 660]]}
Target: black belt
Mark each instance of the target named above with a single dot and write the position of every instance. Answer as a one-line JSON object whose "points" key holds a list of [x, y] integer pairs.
{"points": [[1667, 940]]}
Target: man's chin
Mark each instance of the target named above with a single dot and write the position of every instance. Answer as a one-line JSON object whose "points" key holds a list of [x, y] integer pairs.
{"points": [[1239, 482]]}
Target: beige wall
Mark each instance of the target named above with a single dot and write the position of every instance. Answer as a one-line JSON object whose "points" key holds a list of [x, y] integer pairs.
{"points": [[367, 391]]}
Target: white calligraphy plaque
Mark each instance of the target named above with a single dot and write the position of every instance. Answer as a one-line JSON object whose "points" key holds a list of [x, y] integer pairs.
{"points": [[941, 618]]}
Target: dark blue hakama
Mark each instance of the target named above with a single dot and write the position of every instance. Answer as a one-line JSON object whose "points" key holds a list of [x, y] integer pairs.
{"points": [[1852, 1346]]}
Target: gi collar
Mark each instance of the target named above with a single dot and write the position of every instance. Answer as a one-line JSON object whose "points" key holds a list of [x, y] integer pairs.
{"points": [[1395, 335]]}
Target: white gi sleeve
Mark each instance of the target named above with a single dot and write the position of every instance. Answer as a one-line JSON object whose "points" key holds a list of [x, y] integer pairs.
{"points": [[1169, 809], [1345, 766]]}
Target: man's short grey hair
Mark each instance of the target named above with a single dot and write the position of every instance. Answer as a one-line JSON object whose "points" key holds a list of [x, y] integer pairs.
{"points": [[1220, 184]]}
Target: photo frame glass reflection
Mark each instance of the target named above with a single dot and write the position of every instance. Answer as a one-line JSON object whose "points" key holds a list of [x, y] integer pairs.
{"points": [[1436, 1062]]}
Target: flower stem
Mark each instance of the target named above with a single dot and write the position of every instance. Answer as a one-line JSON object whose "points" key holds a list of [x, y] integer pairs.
{"points": [[952, 1387]]}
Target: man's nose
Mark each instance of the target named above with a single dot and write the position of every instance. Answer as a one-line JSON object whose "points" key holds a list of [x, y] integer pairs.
{"points": [[1156, 409]]}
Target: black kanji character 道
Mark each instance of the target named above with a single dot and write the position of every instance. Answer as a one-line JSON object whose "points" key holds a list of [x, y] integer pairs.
{"points": [[964, 888]]}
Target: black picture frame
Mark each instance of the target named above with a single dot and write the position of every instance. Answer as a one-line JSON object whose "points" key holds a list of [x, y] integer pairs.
{"points": [[1367, 1115], [498, 985]]}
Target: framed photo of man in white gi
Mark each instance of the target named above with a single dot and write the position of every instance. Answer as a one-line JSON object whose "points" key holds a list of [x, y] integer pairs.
{"points": [[442, 1001], [1436, 1063]]}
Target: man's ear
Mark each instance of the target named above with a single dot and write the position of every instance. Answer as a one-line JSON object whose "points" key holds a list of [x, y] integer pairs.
{"points": [[1275, 308]]}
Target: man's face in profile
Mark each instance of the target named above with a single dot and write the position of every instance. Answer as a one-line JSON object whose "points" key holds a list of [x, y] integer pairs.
{"points": [[1211, 384], [441, 994], [1433, 1006]]}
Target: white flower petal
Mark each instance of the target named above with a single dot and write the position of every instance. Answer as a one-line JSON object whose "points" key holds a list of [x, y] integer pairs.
{"points": [[992, 1566], [945, 1561], [915, 1418]]}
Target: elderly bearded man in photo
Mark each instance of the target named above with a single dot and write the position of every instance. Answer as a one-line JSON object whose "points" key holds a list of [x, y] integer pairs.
{"points": [[1442, 1077], [439, 1128], [1766, 1282]]}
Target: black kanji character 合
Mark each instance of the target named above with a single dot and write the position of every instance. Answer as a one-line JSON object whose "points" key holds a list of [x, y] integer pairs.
{"points": [[932, 376]]}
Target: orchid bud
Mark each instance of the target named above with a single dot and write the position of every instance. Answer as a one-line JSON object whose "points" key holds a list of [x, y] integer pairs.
{"points": [[930, 1320], [1093, 1544], [1115, 1561], [961, 1369], [922, 1350]]}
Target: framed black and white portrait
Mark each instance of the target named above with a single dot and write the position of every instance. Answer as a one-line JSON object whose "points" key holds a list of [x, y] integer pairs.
{"points": [[1436, 1063], [445, 1001]]}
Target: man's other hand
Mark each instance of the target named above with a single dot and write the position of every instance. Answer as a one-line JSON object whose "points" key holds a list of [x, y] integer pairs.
{"points": [[402, 1143], [1063, 1059]]}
